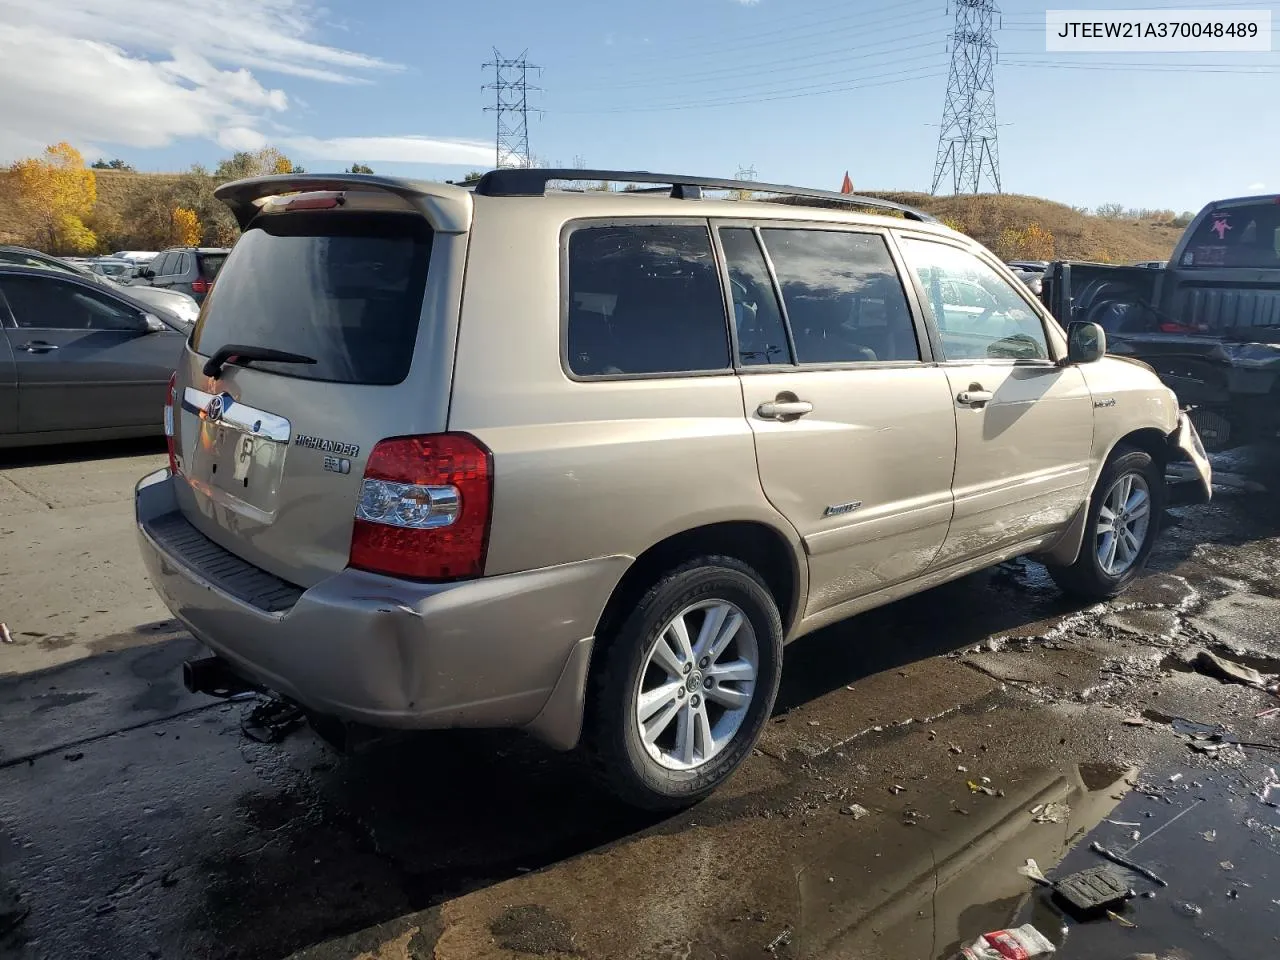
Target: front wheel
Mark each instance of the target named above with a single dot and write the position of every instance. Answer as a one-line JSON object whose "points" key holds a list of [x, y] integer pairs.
{"points": [[1120, 529], [682, 690]]}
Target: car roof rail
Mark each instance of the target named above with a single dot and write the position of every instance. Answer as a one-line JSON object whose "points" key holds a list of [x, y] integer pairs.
{"points": [[532, 182]]}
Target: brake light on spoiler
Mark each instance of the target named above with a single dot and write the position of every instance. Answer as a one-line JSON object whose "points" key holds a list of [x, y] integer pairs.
{"points": [[424, 509]]}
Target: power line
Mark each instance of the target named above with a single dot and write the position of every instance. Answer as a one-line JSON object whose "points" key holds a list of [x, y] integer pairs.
{"points": [[854, 85], [967, 146], [511, 104]]}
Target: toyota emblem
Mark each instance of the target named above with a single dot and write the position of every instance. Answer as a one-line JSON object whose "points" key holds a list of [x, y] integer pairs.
{"points": [[214, 410]]}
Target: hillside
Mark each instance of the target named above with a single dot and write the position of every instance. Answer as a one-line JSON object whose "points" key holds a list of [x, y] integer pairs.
{"points": [[1074, 235]]}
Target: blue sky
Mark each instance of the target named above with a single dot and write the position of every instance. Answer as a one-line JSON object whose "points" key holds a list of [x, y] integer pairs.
{"points": [[801, 90]]}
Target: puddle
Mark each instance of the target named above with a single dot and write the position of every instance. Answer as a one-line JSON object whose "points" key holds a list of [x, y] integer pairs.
{"points": [[1205, 833]]}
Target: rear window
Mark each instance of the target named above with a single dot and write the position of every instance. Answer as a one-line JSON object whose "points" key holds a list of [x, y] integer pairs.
{"points": [[343, 289], [1237, 236], [210, 264], [644, 299]]}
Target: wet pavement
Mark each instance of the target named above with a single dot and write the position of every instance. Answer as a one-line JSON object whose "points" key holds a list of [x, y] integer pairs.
{"points": [[139, 821]]}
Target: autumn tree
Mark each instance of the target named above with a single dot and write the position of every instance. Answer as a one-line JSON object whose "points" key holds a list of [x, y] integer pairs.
{"points": [[185, 226], [257, 163], [55, 196]]}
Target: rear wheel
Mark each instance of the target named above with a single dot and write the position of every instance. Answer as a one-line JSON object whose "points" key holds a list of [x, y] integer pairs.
{"points": [[1121, 527], [684, 686]]}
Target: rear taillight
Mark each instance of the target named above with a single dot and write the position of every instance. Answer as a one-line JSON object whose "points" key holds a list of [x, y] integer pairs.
{"points": [[168, 423], [424, 508], [1177, 328], [200, 286]]}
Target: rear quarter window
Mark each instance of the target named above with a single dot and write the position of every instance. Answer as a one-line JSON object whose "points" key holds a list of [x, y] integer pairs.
{"points": [[344, 289], [644, 299]]}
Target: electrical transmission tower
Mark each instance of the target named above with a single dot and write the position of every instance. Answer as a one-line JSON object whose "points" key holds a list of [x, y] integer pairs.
{"points": [[511, 104], [967, 142], [746, 173]]}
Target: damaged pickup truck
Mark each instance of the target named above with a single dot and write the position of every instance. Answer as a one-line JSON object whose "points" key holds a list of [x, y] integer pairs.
{"points": [[1208, 323]]}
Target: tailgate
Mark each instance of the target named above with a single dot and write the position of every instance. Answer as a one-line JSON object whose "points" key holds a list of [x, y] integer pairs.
{"points": [[365, 293]]}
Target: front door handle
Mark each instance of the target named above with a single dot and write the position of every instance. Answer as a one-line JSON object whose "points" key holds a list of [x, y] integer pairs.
{"points": [[975, 396], [784, 409], [38, 346]]}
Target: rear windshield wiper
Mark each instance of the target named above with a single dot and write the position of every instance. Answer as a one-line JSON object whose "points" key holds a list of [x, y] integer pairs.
{"points": [[241, 355]]}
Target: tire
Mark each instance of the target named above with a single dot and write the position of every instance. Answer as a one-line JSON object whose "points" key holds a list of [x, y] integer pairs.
{"points": [[1088, 578], [630, 663]]}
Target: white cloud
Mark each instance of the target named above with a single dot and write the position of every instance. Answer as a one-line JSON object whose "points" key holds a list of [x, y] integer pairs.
{"points": [[408, 149], [105, 74], [1257, 186], [273, 35], [64, 88]]}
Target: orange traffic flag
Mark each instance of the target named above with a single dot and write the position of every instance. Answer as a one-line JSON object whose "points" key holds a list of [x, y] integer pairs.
{"points": [[847, 186]]}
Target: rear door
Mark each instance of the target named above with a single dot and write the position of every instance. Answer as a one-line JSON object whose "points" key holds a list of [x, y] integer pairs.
{"points": [[85, 360], [1024, 425], [8, 375], [855, 435], [272, 453]]}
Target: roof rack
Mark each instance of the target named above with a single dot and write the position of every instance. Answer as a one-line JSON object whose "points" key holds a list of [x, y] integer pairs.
{"points": [[521, 182]]}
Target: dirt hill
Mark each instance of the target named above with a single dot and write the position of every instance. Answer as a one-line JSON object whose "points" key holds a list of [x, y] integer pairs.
{"points": [[994, 220]]}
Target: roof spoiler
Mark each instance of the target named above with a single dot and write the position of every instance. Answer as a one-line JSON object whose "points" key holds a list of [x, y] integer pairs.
{"points": [[447, 207]]}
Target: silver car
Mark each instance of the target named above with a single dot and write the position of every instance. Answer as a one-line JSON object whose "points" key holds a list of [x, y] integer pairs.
{"points": [[583, 463]]}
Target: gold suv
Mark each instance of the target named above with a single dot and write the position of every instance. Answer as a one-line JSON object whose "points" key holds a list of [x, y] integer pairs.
{"points": [[584, 462]]}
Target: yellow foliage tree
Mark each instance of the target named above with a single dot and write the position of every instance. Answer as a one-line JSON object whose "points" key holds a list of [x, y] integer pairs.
{"points": [[955, 224], [186, 227], [1033, 242], [55, 195]]}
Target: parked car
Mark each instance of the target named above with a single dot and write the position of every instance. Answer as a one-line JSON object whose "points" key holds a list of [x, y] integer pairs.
{"points": [[79, 360], [660, 437], [1152, 264], [168, 303], [1208, 322], [121, 271], [189, 270]]}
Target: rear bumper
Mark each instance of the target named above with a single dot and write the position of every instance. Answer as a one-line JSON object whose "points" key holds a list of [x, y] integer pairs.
{"points": [[506, 651]]}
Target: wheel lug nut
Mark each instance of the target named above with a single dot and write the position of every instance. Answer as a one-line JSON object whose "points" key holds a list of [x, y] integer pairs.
{"points": [[708, 683], [696, 700], [688, 667], [680, 693], [704, 661]]}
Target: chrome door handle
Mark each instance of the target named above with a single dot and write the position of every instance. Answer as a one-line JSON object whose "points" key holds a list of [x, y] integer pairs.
{"points": [[38, 346], [975, 398], [784, 409]]}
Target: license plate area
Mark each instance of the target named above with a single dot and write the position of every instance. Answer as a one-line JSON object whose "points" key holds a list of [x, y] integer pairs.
{"points": [[237, 456]]}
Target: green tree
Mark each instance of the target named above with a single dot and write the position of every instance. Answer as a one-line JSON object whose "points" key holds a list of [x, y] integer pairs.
{"points": [[116, 164], [360, 168], [256, 163]]}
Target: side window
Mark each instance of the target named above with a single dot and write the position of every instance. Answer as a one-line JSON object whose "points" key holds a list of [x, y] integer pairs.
{"points": [[164, 265], [843, 296], [762, 337], [48, 304], [978, 314], [184, 264], [644, 299]]}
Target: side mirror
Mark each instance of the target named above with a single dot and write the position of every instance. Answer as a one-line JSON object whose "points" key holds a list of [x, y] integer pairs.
{"points": [[1086, 342], [146, 273], [154, 323]]}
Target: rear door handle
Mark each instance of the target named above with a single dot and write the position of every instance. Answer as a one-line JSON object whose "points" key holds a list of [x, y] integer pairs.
{"points": [[975, 396], [784, 409], [38, 346]]}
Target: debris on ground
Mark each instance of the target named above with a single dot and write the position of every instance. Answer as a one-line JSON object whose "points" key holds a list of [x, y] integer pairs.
{"points": [[1091, 891], [1032, 870], [855, 810], [1050, 813], [1016, 944], [1210, 835], [1215, 666], [271, 720], [1102, 851], [975, 787], [781, 940], [1190, 909], [1134, 721], [1267, 713], [896, 789], [955, 748], [1123, 921], [5, 635]]}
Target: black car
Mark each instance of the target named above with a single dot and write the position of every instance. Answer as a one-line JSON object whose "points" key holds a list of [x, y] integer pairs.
{"points": [[190, 270], [79, 361]]}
